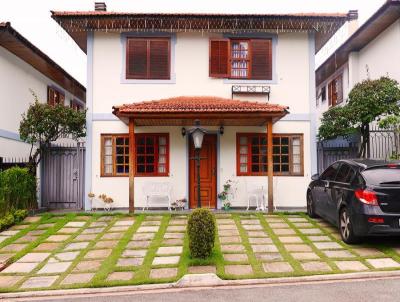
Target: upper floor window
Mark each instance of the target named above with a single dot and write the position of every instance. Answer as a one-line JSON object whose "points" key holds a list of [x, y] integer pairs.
{"points": [[148, 58], [54, 97], [335, 91], [252, 154], [241, 58], [75, 105]]}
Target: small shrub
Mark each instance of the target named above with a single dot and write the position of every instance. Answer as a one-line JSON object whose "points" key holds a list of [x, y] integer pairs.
{"points": [[20, 215], [17, 190], [201, 231]]}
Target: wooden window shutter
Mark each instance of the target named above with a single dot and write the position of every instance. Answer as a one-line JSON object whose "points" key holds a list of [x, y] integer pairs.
{"points": [[261, 59], [136, 59], [330, 94], [159, 59], [219, 58]]}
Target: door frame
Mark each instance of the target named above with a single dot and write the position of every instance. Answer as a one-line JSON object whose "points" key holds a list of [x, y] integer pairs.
{"points": [[217, 158]]}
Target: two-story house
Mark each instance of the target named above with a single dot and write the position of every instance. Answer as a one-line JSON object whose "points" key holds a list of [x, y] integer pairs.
{"points": [[247, 79], [25, 69], [372, 51]]}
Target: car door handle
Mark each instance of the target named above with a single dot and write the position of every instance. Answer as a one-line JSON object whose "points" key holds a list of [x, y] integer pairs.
{"points": [[326, 186]]}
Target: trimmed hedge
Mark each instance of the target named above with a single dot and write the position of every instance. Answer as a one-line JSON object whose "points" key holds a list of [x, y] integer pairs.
{"points": [[12, 218], [17, 190], [201, 231]]}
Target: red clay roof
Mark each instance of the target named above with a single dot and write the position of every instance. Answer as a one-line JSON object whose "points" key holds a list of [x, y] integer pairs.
{"points": [[189, 104]]}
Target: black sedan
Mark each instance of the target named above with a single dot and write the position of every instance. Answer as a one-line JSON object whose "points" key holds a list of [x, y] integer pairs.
{"points": [[361, 197]]}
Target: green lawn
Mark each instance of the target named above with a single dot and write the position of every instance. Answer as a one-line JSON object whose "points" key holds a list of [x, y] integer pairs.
{"points": [[98, 250]]}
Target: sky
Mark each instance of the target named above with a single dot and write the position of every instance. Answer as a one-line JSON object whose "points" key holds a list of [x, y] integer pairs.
{"points": [[31, 18]]}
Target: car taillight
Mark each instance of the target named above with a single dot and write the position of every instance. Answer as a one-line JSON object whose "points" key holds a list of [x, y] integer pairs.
{"points": [[376, 220], [393, 166], [367, 197]]}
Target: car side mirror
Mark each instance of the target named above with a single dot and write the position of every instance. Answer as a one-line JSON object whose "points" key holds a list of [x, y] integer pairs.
{"points": [[315, 177]]}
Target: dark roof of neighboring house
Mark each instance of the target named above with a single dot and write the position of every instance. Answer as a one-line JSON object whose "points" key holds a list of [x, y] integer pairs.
{"points": [[77, 24], [15, 43], [385, 16]]}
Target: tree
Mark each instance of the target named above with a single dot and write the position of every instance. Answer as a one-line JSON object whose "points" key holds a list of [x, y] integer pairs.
{"points": [[367, 101], [43, 124]]}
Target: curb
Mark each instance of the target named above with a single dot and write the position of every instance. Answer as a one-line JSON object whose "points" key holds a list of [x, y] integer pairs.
{"points": [[201, 281]]}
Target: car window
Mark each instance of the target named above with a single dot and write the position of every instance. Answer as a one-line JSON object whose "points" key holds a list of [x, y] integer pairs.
{"points": [[382, 176], [345, 174], [330, 172]]}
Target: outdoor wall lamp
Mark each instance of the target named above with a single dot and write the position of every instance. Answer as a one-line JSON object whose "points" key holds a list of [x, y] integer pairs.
{"points": [[221, 130]]}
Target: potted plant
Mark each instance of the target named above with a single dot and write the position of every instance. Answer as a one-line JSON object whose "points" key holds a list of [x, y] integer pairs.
{"points": [[179, 204], [223, 196]]}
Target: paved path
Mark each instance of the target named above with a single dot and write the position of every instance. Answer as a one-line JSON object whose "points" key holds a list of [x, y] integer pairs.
{"points": [[350, 291]]}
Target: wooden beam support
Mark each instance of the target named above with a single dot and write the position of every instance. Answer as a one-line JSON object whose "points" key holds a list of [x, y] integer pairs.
{"points": [[132, 157], [270, 167]]}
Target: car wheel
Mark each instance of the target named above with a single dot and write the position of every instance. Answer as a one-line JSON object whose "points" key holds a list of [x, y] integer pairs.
{"points": [[310, 206], [346, 228]]}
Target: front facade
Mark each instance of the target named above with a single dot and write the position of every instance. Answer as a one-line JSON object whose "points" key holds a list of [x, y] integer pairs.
{"points": [[151, 77], [371, 52], [25, 69]]}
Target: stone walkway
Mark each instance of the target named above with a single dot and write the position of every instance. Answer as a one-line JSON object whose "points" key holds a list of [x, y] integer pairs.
{"points": [[95, 250]]}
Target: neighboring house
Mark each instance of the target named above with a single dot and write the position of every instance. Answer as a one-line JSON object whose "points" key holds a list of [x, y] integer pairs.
{"points": [[150, 76], [25, 68], [372, 51]]}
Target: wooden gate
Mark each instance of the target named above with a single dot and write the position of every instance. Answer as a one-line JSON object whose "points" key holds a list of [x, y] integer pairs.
{"points": [[62, 177]]}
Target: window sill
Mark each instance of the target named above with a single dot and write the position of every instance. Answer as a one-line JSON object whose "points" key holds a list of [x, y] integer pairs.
{"points": [[172, 80], [248, 81]]}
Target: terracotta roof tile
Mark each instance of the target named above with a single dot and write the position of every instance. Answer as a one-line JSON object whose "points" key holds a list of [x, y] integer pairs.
{"points": [[184, 104]]}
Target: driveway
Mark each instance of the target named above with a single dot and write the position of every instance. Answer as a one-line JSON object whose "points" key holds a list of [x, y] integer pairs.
{"points": [[96, 250]]}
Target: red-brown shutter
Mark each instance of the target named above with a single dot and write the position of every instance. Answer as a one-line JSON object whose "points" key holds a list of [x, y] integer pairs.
{"points": [[159, 59], [330, 94], [219, 58], [261, 59], [136, 59]]}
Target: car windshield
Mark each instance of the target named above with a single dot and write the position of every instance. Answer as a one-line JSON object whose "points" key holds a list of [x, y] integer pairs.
{"points": [[382, 176]]}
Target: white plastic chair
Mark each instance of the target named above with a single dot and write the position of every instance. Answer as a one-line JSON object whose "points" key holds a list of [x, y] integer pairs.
{"points": [[255, 192], [157, 189]]}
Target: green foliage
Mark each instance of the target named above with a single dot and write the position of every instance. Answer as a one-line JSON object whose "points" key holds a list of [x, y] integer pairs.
{"points": [[17, 190], [335, 122], [201, 231], [43, 124], [11, 218], [367, 101]]}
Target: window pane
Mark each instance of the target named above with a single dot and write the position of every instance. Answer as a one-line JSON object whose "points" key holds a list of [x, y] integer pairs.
{"points": [[263, 150], [140, 168], [296, 169], [141, 140], [285, 141], [120, 159], [263, 140], [162, 140], [149, 159], [264, 168], [277, 168], [296, 150], [119, 150], [276, 150], [119, 141], [162, 150], [243, 159], [254, 149], [161, 159], [296, 159], [276, 159], [140, 150], [126, 169], [140, 159], [243, 168], [285, 159], [255, 140], [243, 149], [285, 150], [285, 168], [255, 168], [150, 168], [255, 159], [120, 169], [161, 169], [108, 160], [149, 140], [149, 150], [108, 169], [276, 140], [243, 140]]}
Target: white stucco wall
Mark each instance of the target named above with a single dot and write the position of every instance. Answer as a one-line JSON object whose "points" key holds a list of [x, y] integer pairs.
{"points": [[380, 57], [290, 87], [16, 79]]}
